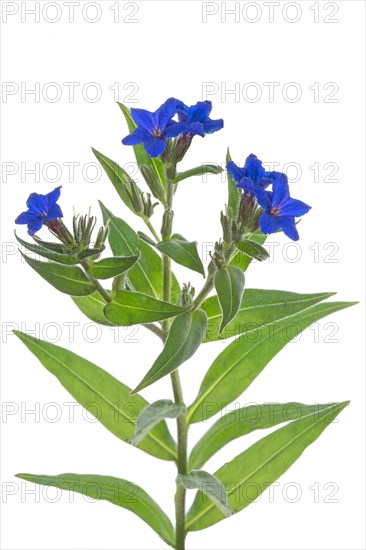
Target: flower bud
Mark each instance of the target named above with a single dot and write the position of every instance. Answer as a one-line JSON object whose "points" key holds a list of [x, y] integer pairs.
{"points": [[154, 184]]}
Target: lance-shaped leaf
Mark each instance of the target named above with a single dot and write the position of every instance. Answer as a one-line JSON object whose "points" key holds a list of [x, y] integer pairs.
{"points": [[234, 193], [229, 284], [147, 274], [183, 252], [93, 307], [152, 415], [56, 247], [198, 171], [102, 395], [253, 249], [244, 421], [152, 169], [66, 278], [56, 256], [242, 260], [240, 363], [258, 308], [118, 176], [254, 470], [111, 267], [119, 492], [134, 308], [210, 486], [185, 336]]}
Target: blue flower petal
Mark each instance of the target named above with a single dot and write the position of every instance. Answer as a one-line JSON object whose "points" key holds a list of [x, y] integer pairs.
{"points": [[25, 217], [174, 129], [235, 172], [53, 197], [138, 136], [246, 184], [212, 126], [196, 128], [280, 189], [143, 118], [166, 112], [268, 223], [55, 212], [155, 146], [37, 204], [34, 226], [287, 224], [272, 175], [294, 207], [264, 182], [263, 197], [253, 168]]}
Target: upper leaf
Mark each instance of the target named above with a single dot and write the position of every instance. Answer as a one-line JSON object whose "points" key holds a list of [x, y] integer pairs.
{"points": [[241, 362], [93, 307], [185, 336], [152, 415], [100, 393], [57, 255], [115, 490], [210, 486], [254, 470], [183, 252], [111, 267], [253, 249], [243, 260], [198, 171], [229, 284]]}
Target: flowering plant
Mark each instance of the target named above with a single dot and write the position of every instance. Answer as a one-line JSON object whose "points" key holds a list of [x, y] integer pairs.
{"points": [[145, 291]]}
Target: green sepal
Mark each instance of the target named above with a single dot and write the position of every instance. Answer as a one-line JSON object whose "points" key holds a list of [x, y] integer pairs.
{"points": [[184, 338], [182, 252], [152, 415], [118, 491]]}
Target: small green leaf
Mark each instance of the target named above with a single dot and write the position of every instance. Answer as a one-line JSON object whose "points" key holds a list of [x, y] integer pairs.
{"points": [[119, 177], [244, 421], [147, 274], [61, 258], [111, 267], [239, 364], [152, 415], [102, 395], [258, 308], [66, 278], [229, 284], [184, 338], [210, 486], [115, 490], [249, 474], [93, 307], [198, 171], [183, 252], [56, 247], [242, 260], [234, 193], [253, 249], [133, 308]]}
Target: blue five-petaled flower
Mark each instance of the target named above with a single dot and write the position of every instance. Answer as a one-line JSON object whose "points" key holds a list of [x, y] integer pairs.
{"points": [[41, 208], [251, 174], [197, 119], [153, 129]]}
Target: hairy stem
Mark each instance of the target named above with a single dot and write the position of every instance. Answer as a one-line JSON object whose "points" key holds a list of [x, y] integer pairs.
{"points": [[151, 227]]}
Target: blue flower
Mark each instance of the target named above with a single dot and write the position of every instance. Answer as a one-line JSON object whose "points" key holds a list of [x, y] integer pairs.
{"points": [[41, 208], [252, 174], [197, 120], [279, 208], [153, 129]]}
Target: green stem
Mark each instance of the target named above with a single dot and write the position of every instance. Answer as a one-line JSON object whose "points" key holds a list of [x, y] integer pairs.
{"points": [[180, 495], [153, 232], [98, 287]]}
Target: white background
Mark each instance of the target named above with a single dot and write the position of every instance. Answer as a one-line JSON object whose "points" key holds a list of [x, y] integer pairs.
{"points": [[170, 51]]}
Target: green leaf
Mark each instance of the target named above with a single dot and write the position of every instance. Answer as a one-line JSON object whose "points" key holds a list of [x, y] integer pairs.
{"points": [[93, 307], [62, 258], [210, 486], [111, 267], [103, 395], [119, 178], [183, 252], [115, 490], [241, 361], [185, 336], [242, 260], [152, 415], [249, 474], [147, 274], [234, 193], [253, 249], [244, 421], [56, 247], [133, 308], [198, 171], [229, 284], [258, 308], [66, 278]]}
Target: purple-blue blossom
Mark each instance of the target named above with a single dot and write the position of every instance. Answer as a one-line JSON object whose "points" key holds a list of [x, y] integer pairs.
{"points": [[41, 208]]}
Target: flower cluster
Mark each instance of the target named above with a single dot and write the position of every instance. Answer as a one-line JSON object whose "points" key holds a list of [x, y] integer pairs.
{"points": [[154, 128], [279, 209]]}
